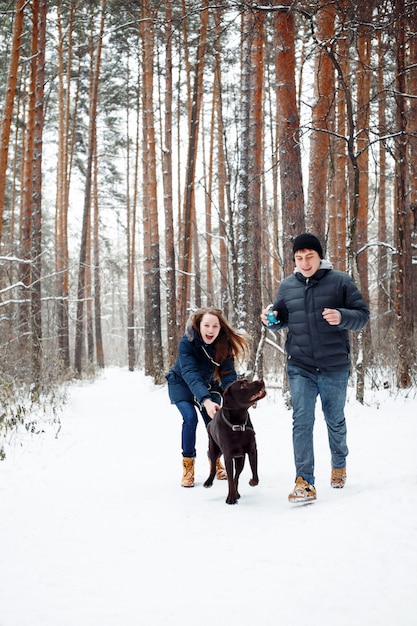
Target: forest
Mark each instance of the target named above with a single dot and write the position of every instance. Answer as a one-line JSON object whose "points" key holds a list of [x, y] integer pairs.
{"points": [[156, 157]]}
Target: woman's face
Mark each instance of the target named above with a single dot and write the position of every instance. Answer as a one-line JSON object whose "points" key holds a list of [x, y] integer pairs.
{"points": [[209, 327]]}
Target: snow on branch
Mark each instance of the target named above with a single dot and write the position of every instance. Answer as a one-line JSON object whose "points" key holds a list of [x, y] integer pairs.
{"points": [[18, 284], [15, 259], [371, 244], [254, 6]]}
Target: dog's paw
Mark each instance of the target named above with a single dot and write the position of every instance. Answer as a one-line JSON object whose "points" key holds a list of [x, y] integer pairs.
{"points": [[208, 483], [253, 482], [233, 499]]}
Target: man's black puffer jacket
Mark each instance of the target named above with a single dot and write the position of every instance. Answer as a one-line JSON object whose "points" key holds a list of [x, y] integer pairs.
{"points": [[311, 342]]}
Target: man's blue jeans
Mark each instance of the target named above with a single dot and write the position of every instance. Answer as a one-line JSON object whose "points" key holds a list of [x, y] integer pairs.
{"points": [[305, 386], [189, 427]]}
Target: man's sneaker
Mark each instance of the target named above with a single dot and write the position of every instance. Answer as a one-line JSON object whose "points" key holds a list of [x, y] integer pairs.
{"points": [[338, 477], [303, 491]]}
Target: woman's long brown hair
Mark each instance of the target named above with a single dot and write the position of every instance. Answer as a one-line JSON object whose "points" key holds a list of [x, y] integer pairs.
{"points": [[229, 343]]}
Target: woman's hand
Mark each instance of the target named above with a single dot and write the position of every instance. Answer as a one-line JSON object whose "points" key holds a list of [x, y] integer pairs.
{"points": [[211, 407]]}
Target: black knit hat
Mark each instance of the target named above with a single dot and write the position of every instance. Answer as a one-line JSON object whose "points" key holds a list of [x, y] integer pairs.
{"points": [[306, 241]]}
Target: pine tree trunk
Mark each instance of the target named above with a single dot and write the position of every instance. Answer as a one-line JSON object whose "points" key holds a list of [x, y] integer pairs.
{"points": [[412, 134], [39, 18], [322, 116], [249, 235], [9, 98], [153, 337], [184, 291], [338, 221], [86, 222], [171, 295], [383, 273], [25, 269], [292, 194], [404, 302], [130, 235], [362, 142], [226, 245], [96, 281], [65, 152]]}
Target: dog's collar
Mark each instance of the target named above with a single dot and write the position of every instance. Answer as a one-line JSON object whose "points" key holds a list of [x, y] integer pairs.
{"points": [[237, 427]]}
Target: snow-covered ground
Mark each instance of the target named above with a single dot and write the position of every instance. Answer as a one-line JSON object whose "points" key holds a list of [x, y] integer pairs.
{"points": [[95, 529]]}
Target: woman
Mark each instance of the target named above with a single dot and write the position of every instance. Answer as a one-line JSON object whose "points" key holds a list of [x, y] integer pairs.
{"points": [[204, 367]]}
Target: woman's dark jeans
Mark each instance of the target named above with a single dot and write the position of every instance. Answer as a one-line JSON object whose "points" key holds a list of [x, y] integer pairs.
{"points": [[189, 427]]}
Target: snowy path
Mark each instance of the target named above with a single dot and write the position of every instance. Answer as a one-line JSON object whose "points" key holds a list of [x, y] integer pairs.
{"points": [[96, 531]]}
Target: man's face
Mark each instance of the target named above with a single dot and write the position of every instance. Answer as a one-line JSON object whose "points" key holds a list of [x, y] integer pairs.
{"points": [[307, 262]]}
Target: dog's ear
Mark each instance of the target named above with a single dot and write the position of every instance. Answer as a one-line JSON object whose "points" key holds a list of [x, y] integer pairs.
{"points": [[228, 392]]}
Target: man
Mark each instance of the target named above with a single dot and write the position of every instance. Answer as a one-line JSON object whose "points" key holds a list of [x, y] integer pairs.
{"points": [[319, 306]]}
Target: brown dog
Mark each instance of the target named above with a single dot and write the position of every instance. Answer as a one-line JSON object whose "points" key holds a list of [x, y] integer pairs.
{"points": [[231, 434]]}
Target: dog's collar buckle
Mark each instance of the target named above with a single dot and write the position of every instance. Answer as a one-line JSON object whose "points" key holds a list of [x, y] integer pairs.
{"points": [[239, 427]]}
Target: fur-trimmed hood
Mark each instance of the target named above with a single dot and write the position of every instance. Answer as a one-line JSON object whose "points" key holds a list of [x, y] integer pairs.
{"points": [[190, 332]]}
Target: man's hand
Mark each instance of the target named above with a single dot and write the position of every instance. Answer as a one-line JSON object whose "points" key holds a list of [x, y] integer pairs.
{"points": [[264, 319], [264, 315], [211, 407], [332, 316]]}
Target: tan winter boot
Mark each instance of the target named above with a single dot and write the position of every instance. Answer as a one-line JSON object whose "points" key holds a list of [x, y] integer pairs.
{"points": [[303, 491], [221, 473], [187, 472], [338, 477]]}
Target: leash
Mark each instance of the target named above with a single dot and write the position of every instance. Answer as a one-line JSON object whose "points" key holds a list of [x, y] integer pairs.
{"points": [[218, 397]]}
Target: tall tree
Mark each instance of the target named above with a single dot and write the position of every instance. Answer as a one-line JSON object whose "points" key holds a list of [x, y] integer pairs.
{"points": [[95, 51], [39, 16], [208, 175], [321, 122], [363, 77], [223, 182], [402, 186], [167, 180], [249, 235], [154, 364], [6, 121], [188, 217], [26, 225], [131, 206], [383, 282], [96, 331], [291, 181], [338, 219], [412, 126], [67, 116]]}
